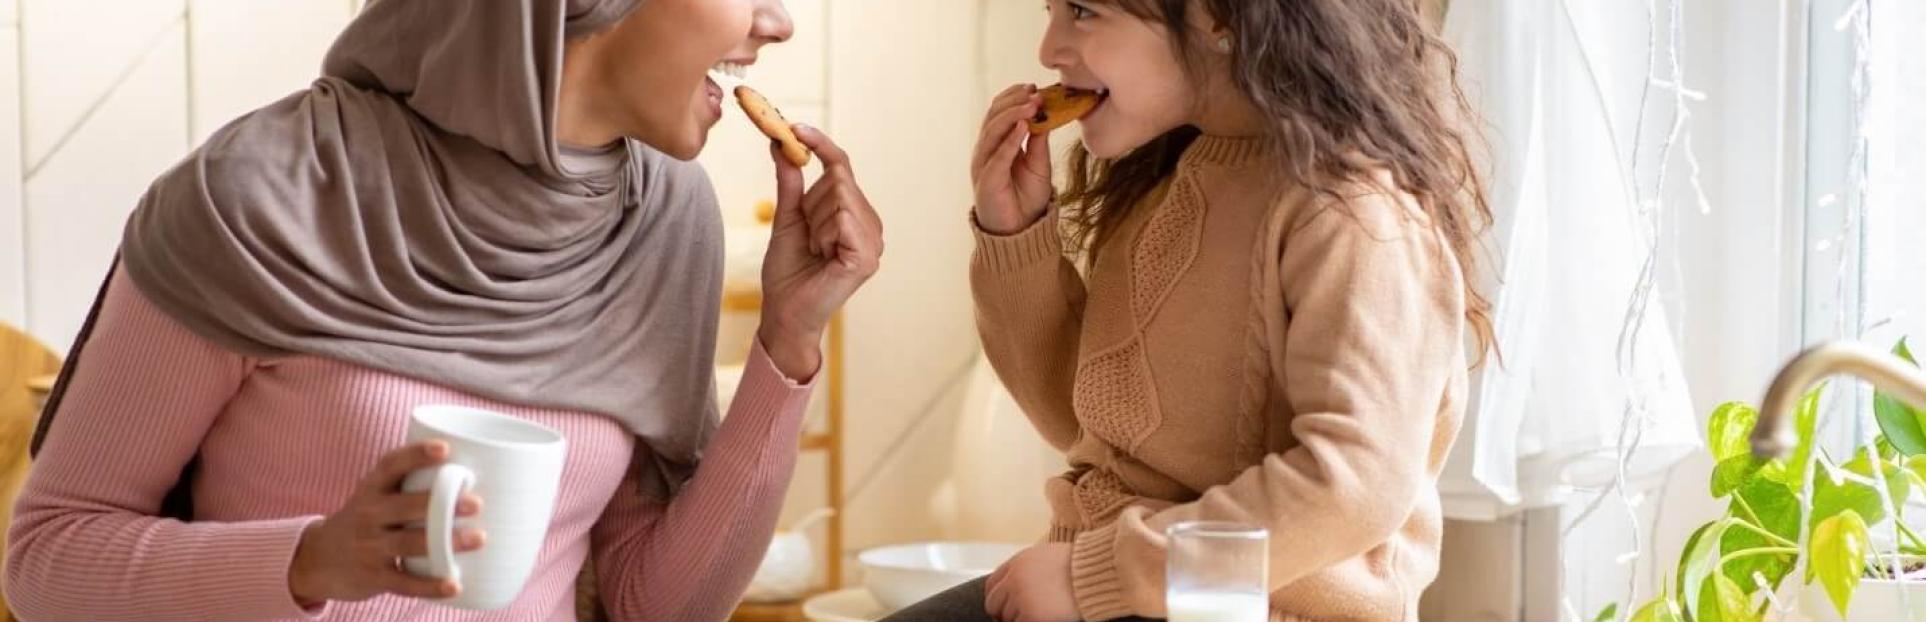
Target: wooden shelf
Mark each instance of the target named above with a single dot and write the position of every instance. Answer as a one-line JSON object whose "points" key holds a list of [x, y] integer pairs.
{"points": [[742, 301], [769, 612], [42, 384], [828, 442]]}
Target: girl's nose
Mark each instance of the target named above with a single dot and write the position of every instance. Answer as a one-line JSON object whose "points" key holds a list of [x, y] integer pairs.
{"points": [[1055, 51]]}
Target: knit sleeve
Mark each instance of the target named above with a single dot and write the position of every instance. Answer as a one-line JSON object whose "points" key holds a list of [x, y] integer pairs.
{"points": [[85, 543], [692, 558], [1375, 308], [1029, 313]]}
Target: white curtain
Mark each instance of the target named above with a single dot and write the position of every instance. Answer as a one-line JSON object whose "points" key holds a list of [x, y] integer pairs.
{"points": [[1559, 86]]}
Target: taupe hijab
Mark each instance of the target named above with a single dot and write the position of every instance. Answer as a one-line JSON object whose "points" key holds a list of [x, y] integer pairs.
{"points": [[412, 212]]}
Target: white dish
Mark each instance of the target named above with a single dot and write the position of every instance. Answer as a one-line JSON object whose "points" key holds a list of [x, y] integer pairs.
{"points": [[851, 605], [900, 576]]}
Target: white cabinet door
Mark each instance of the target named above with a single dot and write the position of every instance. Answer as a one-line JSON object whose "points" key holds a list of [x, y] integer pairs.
{"points": [[13, 240], [75, 53], [244, 54], [106, 112]]}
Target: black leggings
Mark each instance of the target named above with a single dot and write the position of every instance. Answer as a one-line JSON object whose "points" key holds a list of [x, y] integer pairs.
{"points": [[963, 603]]}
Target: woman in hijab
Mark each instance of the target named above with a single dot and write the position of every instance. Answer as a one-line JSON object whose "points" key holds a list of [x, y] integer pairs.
{"points": [[482, 202]]}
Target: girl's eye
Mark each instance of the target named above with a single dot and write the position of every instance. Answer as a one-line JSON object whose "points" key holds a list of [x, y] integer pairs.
{"points": [[1079, 12]]}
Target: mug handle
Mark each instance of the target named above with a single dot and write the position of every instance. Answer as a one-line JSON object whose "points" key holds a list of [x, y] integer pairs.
{"points": [[451, 480]]}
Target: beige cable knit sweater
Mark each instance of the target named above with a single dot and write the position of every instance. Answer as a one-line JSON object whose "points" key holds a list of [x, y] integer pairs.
{"points": [[1243, 351]]}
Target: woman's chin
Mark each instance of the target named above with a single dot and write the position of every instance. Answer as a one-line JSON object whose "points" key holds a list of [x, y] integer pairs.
{"points": [[685, 154], [688, 146]]}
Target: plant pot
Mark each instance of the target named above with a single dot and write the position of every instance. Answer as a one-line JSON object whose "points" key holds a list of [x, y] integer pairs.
{"points": [[1876, 600]]}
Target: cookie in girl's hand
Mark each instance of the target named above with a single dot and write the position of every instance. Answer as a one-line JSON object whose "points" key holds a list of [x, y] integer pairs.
{"points": [[1061, 105], [768, 119]]}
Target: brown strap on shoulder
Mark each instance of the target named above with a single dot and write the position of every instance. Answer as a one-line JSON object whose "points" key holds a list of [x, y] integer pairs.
{"points": [[59, 393], [179, 502]]}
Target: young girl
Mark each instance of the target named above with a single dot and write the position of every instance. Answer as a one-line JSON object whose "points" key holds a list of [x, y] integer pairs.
{"points": [[1278, 217]]}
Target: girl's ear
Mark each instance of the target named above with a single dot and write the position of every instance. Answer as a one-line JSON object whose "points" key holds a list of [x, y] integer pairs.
{"points": [[1218, 35]]}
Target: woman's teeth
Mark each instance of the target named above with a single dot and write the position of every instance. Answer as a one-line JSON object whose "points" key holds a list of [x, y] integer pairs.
{"points": [[731, 71]]}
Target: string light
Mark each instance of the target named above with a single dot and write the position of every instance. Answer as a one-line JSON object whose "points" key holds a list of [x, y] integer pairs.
{"points": [[1636, 416]]}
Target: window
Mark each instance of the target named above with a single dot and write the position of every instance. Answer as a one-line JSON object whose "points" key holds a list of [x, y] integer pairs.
{"points": [[1865, 218]]}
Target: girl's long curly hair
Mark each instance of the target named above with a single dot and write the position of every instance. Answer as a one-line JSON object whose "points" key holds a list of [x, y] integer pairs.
{"points": [[1352, 87]]}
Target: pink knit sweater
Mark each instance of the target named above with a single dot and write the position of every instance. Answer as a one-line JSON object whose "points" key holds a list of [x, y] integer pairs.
{"points": [[284, 441]]}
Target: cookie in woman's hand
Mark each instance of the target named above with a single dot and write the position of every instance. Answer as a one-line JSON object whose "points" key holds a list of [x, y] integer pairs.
{"points": [[768, 119], [1062, 105]]}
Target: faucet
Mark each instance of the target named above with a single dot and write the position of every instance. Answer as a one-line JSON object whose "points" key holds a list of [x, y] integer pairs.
{"points": [[1774, 437]]}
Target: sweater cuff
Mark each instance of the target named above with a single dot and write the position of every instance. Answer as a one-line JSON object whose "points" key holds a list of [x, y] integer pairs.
{"points": [[763, 369], [1094, 580], [265, 589], [1002, 254]]}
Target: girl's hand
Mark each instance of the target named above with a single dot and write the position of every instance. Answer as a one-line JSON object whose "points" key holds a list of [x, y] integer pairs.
{"points": [[1011, 168], [353, 555], [1034, 586], [825, 245]]}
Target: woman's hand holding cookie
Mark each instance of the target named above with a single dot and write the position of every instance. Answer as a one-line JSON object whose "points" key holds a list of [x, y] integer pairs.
{"points": [[1011, 166], [826, 243]]}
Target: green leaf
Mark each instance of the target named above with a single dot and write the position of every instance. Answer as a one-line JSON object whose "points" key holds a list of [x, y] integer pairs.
{"points": [[1896, 480], [1900, 423], [1791, 470], [1700, 561], [1659, 610], [1776, 470], [1733, 473], [1903, 425], [1723, 601], [1834, 492], [1775, 507], [1685, 554], [1886, 449], [1805, 424], [1610, 613], [1729, 430], [1916, 467], [1839, 547]]}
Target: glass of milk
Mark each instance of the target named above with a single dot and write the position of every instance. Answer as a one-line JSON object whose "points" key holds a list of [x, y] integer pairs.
{"points": [[1218, 572]]}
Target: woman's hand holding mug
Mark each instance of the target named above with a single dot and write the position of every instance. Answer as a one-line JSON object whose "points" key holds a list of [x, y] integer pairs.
{"points": [[355, 553]]}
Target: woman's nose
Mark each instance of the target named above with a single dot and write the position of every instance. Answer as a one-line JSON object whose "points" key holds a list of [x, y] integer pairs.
{"points": [[773, 24]]}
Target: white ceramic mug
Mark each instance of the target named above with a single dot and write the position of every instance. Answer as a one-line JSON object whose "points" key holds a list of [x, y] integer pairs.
{"points": [[515, 466]]}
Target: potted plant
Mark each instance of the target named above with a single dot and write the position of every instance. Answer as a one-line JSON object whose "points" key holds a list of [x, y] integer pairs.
{"points": [[1804, 511]]}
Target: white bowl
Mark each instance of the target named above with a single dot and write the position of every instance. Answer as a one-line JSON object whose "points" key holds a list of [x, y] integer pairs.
{"points": [[900, 576], [855, 605]]}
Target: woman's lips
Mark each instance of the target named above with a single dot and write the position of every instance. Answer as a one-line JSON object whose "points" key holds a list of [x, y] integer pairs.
{"points": [[714, 93]]}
